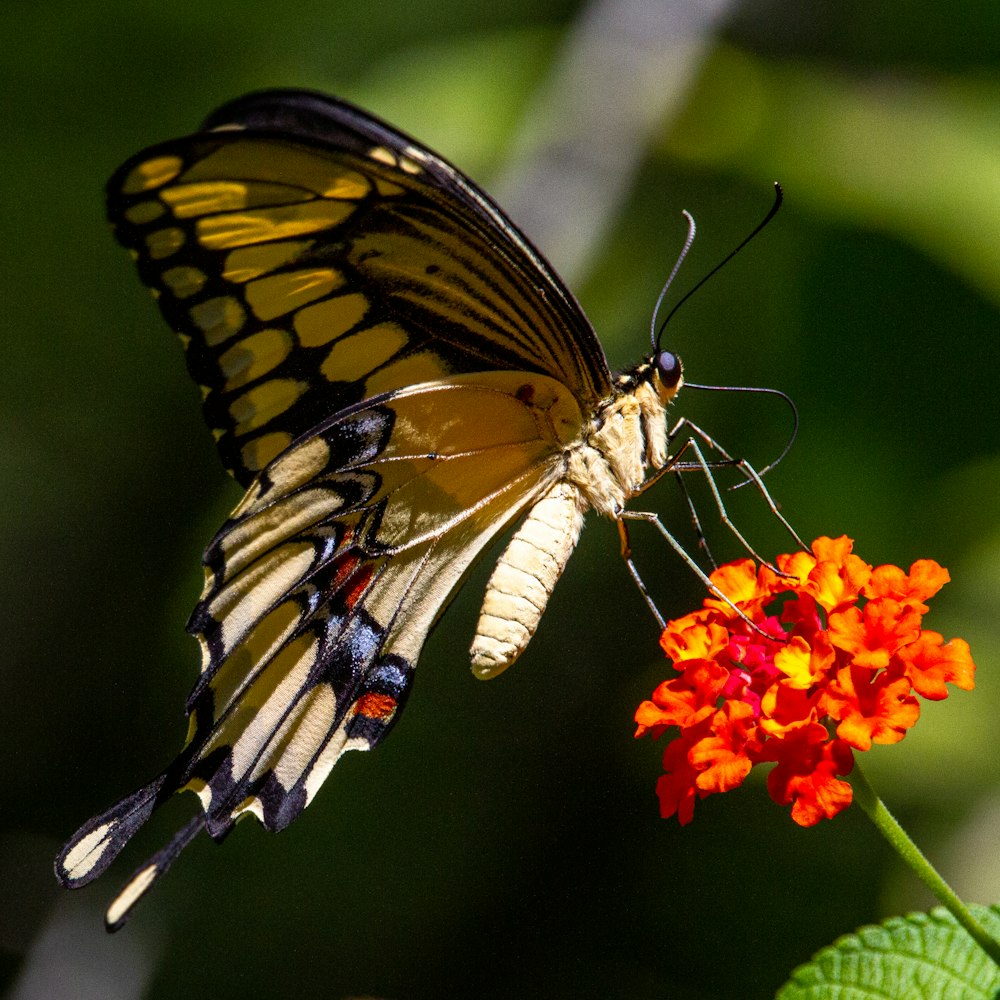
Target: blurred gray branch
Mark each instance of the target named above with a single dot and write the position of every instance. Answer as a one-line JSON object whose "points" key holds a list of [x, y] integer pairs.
{"points": [[624, 71]]}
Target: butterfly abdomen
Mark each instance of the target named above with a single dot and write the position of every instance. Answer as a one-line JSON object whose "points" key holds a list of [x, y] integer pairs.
{"points": [[602, 471], [525, 574]]}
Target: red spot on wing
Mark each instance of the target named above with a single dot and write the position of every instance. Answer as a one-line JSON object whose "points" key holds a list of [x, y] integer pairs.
{"points": [[349, 579], [526, 393], [376, 706], [358, 585]]}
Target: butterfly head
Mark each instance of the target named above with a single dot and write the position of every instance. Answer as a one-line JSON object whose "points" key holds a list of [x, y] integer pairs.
{"points": [[661, 371], [667, 375]]}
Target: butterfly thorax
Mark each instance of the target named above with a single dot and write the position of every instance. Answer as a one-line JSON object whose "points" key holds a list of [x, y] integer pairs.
{"points": [[626, 436]]}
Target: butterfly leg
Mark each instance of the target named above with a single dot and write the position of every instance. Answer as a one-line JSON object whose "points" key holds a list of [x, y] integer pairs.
{"points": [[690, 457], [678, 467], [695, 519], [751, 476], [626, 551], [699, 463], [654, 519]]}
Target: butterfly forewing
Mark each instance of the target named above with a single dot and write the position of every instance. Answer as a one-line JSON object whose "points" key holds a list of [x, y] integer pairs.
{"points": [[307, 274]]}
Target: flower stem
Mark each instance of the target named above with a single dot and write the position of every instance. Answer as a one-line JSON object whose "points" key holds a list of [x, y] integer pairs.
{"points": [[887, 825]]}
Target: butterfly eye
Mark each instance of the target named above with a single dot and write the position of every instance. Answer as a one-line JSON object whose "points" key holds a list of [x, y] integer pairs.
{"points": [[668, 367]]}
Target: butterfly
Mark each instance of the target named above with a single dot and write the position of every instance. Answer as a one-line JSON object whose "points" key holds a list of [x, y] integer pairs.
{"points": [[395, 376]]}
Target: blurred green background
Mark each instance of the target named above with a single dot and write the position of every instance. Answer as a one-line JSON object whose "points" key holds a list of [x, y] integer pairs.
{"points": [[505, 841]]}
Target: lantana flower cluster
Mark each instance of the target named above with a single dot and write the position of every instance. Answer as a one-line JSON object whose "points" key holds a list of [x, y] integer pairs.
{"points": [[832, 664]]}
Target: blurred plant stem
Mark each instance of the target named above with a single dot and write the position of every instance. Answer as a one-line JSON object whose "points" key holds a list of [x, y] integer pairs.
{"points": [[889, 827]]}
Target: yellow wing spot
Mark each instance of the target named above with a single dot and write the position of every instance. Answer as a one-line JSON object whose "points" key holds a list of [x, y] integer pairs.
{"points": [[251, 262], [338, 744], [251, 497], [164, 242], [79, 860], [257, 453], [383, 155], [222, 232], [219, 318], [347, 184], [277, 521], [354, 357], [184, 281], [283, 293], [152, 174], [256, 648], [297, 169], [258, 705], [302, 465], [409, 166], [262, 403], [423, 367], [132, 891], [254, 356], [207, 197], [388, 189], [250, 805], [188, 200], [301, 738], [199, 786], [265, 702], [325, 321], [143, 212]]}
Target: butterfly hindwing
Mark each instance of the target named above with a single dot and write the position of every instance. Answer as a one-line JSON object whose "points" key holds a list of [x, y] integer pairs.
{"points": [[321, 589], [333, 570]]}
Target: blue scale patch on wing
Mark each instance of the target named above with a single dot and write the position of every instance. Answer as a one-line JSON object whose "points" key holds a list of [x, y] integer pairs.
{"points": [[321, 589]]}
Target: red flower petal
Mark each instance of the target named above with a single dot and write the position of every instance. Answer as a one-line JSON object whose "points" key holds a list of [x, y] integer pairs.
{"points": [[872, 707], [805, 776], [931, 666], [721, 757]]}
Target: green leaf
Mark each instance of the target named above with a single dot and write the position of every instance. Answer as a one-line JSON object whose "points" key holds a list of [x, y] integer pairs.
{"points": [[923, 956]]}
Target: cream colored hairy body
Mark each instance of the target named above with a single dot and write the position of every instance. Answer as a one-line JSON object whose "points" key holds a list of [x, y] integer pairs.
{"points": [[602, 470]]}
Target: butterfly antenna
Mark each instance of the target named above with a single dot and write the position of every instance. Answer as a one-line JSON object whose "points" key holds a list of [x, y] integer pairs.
{"points": [[779, 196], [769, 392], [692, 229]]}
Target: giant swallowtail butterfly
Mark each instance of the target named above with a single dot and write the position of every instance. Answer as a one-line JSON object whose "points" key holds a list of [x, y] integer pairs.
{"points": [[394, 375]]}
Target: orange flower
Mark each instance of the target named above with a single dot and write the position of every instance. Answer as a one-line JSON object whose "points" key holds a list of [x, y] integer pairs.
{"points": [[831, 574], [931, 663], [874, 634], [805, 776], [831, 664], [683, 701], [923, 581], [872, 707]]}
